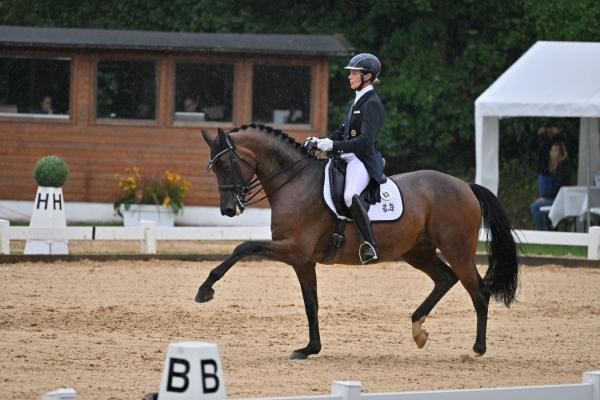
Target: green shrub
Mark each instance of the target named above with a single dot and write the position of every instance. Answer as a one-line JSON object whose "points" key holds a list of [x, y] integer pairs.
{"points": [[51, 171]]}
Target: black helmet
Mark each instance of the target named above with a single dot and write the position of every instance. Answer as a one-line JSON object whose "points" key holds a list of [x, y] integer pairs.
{"points": [[365, 62]]}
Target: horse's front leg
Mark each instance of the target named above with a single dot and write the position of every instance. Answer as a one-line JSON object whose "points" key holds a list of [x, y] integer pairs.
{"points": [[273, 249], [308, 283]]}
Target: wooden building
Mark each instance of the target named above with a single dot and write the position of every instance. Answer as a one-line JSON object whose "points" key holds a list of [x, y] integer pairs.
{"points": [[105, 100]]}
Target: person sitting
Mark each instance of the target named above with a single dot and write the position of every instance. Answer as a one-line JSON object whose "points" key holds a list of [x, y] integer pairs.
{"points": [[45, 106], [547, 135], [559, 173], [190, 104]]}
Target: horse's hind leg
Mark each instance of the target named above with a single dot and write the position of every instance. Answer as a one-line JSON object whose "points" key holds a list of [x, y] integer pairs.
{"points": [[480, 296], [426, 259]]}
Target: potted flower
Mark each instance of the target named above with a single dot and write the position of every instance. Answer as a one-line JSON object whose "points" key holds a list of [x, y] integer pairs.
{"points": [[157, 199]]}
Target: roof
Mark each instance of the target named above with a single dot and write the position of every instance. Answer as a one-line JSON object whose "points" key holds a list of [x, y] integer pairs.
{"points": [[559, 79], [326, 45]]}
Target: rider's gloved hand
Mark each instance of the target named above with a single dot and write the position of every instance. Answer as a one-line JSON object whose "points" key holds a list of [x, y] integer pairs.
{"points": [[325, 144], [310, 142]]}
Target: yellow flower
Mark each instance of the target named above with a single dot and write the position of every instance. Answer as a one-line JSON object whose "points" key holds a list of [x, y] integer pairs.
{"points": [[167, 189]]}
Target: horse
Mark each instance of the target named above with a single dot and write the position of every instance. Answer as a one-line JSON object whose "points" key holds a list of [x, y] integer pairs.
{"points": [[441, 213]]}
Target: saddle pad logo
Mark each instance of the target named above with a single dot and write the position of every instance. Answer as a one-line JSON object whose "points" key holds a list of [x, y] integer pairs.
{"points": [[386, 196]]}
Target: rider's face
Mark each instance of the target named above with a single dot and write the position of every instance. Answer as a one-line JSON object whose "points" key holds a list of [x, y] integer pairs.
{"points": [[354, 79]]}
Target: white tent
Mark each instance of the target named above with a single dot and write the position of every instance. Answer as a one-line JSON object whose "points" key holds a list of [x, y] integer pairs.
{"points": [[552, 79]]}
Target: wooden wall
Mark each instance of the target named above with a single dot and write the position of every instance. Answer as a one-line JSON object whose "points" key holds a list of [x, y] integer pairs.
{"points": [[96, 149]]}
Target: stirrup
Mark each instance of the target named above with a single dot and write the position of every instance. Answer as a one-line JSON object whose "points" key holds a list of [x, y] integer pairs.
{"points": [[373, 257]]}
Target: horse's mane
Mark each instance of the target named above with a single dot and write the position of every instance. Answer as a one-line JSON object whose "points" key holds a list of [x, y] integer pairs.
{"points": [[275, 132]]}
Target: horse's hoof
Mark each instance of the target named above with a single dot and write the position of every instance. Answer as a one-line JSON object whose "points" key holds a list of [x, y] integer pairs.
{"points": [[296, 355], [204, 295], [470, 358], [419, 334], [421, 338]]}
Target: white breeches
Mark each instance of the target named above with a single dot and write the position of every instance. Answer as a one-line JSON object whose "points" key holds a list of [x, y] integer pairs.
{"points": [[357, 177]]}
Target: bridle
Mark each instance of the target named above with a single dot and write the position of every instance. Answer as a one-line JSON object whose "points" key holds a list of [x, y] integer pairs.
{"points": [[242, 188]]}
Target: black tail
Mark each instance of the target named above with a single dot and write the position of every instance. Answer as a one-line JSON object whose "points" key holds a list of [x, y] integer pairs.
{"points": [[502, 275]]}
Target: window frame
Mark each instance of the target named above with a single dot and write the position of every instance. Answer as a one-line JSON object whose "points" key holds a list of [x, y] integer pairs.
{"points": [[165, 81], [93, 111], [46, 118], [281, 62], [173, 61]]}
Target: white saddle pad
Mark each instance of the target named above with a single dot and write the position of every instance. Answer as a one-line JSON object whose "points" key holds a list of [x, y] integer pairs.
{"points": [[390, 208]]}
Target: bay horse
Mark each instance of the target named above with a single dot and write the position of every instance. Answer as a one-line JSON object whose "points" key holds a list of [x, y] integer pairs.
{"points": [[441, 213]]}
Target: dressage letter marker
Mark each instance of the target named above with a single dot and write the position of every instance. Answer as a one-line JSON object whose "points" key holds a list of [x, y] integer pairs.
{"points": [[48, 212], [192, 371]]}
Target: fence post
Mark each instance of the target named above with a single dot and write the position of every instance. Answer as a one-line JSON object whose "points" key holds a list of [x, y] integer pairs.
{"points": [[349, 390], [594, 243], [148, 244], [593, 377], [4, 239]]}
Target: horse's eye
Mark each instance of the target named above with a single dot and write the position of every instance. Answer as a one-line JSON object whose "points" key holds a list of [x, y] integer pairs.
{"points": [[227, 168]]}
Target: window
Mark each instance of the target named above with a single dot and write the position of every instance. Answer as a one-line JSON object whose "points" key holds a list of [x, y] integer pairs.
{"points": [[203, 92], [126, 89], [34, 86], [281, 94]]}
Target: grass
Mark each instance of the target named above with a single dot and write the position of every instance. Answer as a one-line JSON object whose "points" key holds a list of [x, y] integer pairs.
{"points": [[546, 250]]}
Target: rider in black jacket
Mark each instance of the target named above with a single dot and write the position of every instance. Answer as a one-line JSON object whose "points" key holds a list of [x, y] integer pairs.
{"points": [[355, 139]]}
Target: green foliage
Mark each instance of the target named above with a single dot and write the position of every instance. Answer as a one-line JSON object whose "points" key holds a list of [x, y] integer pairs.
{"points": [[50, 171]]}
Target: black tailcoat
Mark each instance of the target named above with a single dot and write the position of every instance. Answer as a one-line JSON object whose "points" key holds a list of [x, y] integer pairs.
{"points": [[358, 132]]}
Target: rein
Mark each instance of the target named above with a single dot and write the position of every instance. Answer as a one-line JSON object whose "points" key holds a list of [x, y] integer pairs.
{"points": [[245, 188]]}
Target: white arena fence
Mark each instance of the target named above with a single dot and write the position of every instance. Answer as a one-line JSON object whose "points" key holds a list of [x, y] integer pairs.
{"points": [[589, 389], [148, 234]]}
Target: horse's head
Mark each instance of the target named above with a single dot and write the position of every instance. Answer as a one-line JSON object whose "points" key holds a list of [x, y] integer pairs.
{"points": [[234, 172]]}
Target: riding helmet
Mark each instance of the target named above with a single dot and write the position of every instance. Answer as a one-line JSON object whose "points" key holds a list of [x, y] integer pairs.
{"points": [[365, 62]]}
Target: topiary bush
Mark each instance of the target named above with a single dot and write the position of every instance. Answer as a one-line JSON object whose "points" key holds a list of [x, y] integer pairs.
{"points": [[51, 171]]}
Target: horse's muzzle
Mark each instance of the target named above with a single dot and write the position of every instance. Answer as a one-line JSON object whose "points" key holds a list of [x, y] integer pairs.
{"points": [[229, 211]]}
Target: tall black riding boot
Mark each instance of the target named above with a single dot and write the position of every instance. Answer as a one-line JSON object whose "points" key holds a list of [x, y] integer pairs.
{"points": [[367, 251]]}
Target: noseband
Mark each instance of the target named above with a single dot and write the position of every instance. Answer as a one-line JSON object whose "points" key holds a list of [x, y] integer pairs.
{"points": [[242, 188]]}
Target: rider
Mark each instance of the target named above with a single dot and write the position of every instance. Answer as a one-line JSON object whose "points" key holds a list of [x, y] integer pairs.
{"points": [[355, 140]]}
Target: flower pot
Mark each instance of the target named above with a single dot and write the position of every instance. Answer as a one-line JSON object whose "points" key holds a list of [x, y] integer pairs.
{"points": [[162, 216]]}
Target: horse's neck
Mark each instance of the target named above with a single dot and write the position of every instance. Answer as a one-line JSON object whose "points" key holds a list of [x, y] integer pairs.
{"points": [[298, 183]]}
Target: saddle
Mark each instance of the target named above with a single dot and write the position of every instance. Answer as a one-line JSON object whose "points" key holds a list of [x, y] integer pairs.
{"points": [[337, 182]]}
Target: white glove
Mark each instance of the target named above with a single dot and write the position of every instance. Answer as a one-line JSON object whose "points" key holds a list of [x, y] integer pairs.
{"points": [[310, 142], [325, 144]]}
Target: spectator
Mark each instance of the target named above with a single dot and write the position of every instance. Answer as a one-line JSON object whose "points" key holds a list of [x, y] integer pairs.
{"points": [[559, 172], [548, 135], [45, 106], [190, 104]]}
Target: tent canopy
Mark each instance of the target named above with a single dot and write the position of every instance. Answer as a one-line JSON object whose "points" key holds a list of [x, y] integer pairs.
{"points": [[552, 79]]}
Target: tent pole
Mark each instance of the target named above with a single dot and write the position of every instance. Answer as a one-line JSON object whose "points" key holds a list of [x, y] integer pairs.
{"points": [[589, 175]]}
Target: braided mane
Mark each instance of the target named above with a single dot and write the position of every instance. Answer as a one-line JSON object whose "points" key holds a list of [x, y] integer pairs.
{"points": [[275, 132]]}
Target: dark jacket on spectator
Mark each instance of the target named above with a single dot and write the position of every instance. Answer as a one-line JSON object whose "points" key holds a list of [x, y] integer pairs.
{"points": [[561, 177]]}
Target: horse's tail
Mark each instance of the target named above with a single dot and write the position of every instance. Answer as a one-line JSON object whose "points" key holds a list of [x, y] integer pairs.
{"points": [[501, 277]]}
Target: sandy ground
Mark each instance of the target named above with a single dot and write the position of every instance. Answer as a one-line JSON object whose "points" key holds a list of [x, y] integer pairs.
{"points": [[103, 328]]}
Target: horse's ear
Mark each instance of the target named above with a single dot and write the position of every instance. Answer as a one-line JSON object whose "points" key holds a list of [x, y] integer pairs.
{"points": [[221, 137], [207, 138]]}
